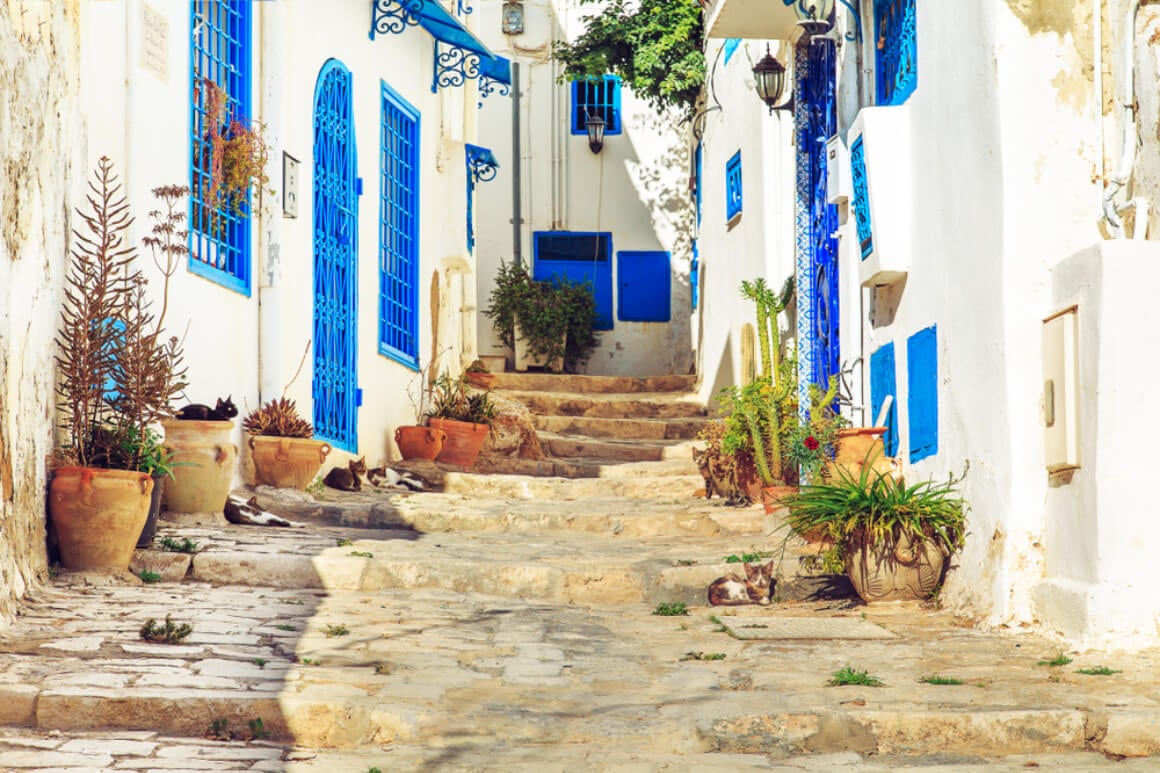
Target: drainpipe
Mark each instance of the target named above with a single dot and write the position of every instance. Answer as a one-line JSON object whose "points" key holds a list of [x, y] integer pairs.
{"points": [[1112, 210], [268, 279], [517, 215]]}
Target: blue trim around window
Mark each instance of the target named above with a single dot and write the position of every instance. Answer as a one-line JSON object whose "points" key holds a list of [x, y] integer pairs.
{"points": [[578, 256], [599, 96], [399, 229], [220, 243], [883, 384], [861, 198], [896, 60], [730, 48], [922, 392], [733, 186]]}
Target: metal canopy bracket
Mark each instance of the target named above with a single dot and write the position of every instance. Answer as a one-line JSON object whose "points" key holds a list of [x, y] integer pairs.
{"points": [[454, 66], [481, 163], [495, 77], [394, 16]]}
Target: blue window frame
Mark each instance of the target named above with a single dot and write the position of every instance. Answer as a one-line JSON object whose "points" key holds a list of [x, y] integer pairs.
{"points": [[578, 257], [596, 96], [733, 186], [644, 286], [730, 48], [883, 384], [399, 229], [896, 60], [861, 198], [695, 266], [922, 392], [219, 74]]}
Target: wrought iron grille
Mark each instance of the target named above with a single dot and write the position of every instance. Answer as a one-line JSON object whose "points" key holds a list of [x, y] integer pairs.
{"points": [[335, 260], [219, 233], [861, 198], [733, 199], [596, 97], [896, 63], [399, 229], [481, 167]]}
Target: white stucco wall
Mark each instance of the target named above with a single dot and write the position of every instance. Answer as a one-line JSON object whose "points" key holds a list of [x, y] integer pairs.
{"points": [[636, 188]]}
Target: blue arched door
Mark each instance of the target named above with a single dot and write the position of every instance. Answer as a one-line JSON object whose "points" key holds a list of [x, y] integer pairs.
{"points": [[335, 260]]}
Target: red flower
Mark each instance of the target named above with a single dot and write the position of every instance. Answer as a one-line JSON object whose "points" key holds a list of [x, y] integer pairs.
{"points": [[811, 443]]}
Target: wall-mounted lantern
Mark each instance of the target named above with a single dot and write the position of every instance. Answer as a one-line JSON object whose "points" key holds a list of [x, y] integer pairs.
{"points": [[813, 16], [595, 126], [769, 78]]}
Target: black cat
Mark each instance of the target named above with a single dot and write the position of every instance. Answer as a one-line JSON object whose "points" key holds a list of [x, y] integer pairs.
{"points": [[223, 411]]}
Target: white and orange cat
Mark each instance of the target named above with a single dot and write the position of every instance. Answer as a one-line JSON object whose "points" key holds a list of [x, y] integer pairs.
{"points": [[755, 588]]}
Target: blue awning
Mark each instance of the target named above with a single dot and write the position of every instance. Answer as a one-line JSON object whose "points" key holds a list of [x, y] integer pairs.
{"points": [[498, 69], [447, 29]]}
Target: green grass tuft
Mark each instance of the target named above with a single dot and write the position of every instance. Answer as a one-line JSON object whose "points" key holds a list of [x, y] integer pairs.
{"points": [[1059, 660], [665, 609], [850, 676], [936, 679], [149, 577], [1098, 671], [703, 656]]}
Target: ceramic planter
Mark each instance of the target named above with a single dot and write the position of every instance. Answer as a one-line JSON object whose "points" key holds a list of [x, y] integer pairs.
{"points": [[287, 462], [771, 496], [204, 457], [904, 572], [463, 443], [98, 515], [419, 442], [855, 446]]}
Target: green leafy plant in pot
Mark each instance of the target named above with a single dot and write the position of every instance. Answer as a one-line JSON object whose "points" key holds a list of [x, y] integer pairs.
{"points": [[116, 377], [464, 415], [282, 445], [893, 539]]}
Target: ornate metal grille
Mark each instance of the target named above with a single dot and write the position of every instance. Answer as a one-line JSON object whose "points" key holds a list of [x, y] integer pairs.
{"points": [[335, 260], [733, 191], [481, 167], [219, 236], [861, 198], [896, 63], [399, 229]]}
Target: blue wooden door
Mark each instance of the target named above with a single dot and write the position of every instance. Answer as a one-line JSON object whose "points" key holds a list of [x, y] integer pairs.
{"points": [[335, 384]]}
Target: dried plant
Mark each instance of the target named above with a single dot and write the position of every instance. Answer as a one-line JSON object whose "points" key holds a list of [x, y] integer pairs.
{"points": [[237, 152], [279, 418]]}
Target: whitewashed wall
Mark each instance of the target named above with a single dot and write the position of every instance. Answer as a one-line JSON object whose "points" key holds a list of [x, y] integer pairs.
{"points": [[636, 188]]}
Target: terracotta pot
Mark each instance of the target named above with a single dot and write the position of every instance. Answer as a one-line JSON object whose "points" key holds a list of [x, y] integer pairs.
{"points": [[149, 530], [463, 443], [480, 380], [855, 446], [287, 462], [771, 494], [904, 572], [205, 458], [419, 442], [97, 515]]}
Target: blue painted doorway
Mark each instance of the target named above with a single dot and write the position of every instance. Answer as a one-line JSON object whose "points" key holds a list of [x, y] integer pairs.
{"points": [[335, 383]]}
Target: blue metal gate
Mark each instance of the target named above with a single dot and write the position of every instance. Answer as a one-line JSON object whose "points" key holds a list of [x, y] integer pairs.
{"points": [[335, 260], [817, 220]]}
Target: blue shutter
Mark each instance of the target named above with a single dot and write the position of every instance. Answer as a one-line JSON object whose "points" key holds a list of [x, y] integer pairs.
{"points": [[922, 392], [883, 384], [598, 96], [644, 286], [733, 186]]}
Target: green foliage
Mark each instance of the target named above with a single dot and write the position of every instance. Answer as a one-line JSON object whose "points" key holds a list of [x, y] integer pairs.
{"points": [[285, 627], [258, 730], [1060, 659], [185, 545], [342, 543], [940, 680], [752, 557], [336, 630], [1097, 671], [149, 577], [878, 508], [829, 561], [557, 318], [703, 656], [169, 633], [655, 46], [675, 609], [361, 554], [847, 676], [451, 399]]}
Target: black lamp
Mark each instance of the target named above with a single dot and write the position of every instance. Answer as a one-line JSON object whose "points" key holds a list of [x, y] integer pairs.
{"points": [[814, 16], [595, 126], [769, 77]]}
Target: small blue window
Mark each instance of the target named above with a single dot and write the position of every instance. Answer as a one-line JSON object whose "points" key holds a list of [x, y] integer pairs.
{"points": [[733, 187], [220, 83], [896, 61], [399, 229], [578, 257], [883, 385], [730, 48], [644, 286], [922, 392], [861, 198], [596, 96]]}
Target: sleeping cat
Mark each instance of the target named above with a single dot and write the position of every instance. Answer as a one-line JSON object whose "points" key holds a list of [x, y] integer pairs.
{"points": [[249, 513], [385, 477], [223, 411], [755, 588], [347, 478]]}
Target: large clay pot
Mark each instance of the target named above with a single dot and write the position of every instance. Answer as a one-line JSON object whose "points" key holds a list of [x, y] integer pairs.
{"points": [[287, 462], [902, 572], [97, 515], [771, 497], [463, 443], [420, 442], [480, 380], [856, 445], [204, 459], [149, 530]]}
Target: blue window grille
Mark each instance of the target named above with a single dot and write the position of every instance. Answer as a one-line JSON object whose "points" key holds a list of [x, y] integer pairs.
{"points": [[335, 234], [882, 385], [596, 97], [896, 62], [730, 48], [399, 229], [733, 186], [577, 257], [220, 74], [861, 198], [922, 392], [644, 286]]}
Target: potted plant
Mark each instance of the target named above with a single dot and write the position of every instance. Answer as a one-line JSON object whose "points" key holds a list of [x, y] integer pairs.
{"points": [[282, 445], [233, 155], [116, 377], [464, 416], [892, 538], [418, 441], [478, 376], [551, 324]]}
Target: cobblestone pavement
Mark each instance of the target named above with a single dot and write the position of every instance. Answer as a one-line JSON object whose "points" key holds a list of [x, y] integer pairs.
{"points": [[527, 641]]}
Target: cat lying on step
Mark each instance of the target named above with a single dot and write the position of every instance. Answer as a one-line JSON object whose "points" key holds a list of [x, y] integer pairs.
{"points": [[350, 478], [249, 513], [755, 588]]}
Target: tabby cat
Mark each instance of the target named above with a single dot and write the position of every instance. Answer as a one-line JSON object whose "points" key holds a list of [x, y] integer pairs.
{"points": [[755, 588], [347, 478], [385, 477], [224, 410]]}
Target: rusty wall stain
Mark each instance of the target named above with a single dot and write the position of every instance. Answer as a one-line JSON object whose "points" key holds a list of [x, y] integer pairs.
{"points": [[1071, 23]]}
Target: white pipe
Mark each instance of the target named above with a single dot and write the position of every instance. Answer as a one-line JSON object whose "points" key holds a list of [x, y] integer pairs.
{"points": [[1112, 211], [1098, 77]]}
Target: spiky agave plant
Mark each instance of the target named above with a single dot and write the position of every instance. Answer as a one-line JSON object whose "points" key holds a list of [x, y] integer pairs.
{"points": [[279, 418]]}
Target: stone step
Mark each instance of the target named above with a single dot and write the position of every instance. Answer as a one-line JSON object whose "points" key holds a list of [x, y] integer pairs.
{"points": [[611, 406], [577, 447], [562, 470], [627, 429], [560, 382]]}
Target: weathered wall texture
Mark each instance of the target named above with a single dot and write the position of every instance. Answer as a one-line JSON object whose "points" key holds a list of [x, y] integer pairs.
{"points": [[40, 165]]}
